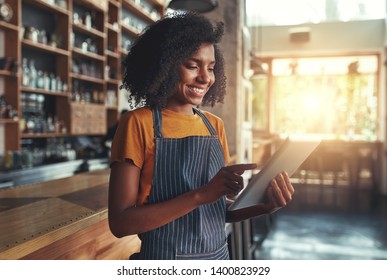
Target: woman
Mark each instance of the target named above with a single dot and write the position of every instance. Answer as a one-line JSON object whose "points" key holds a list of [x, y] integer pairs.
{"points": [[168, 180]]}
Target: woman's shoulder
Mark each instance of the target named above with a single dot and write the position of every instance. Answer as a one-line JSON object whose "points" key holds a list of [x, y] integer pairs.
{"points": [[140, 118], [138, 113], [216, 121], [212, 117], [142, 111]]}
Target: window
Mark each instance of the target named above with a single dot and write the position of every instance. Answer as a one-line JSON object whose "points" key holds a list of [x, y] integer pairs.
{"points": [[335, 97]]}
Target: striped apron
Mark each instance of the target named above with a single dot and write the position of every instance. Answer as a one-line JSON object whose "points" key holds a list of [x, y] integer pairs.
{"points": [[182, 165]]}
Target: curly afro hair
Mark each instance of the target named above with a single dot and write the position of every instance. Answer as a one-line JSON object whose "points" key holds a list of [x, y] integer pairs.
{"points": [[151, 66]]}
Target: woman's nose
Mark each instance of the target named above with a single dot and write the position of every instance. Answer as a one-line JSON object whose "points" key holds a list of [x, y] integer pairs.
{"points": [[204, 76]]}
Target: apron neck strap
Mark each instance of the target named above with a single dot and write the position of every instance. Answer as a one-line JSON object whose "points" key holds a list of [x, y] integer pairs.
{"points": [[206, 121], [157, 122]]}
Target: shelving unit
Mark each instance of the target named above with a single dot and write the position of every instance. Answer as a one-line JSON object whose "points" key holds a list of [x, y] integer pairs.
{"points": [[76, 48], [11, 77]]}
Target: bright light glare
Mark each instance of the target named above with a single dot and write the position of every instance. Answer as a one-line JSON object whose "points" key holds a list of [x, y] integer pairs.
{"points": [[312, 104], [325, 96]]}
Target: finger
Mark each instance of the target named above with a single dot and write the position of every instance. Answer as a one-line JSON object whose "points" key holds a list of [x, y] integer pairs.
{"points": [[278, 194], [241, 167], [283, 187], [231, 176], [287, 181], [271, 199], [233, 186]]}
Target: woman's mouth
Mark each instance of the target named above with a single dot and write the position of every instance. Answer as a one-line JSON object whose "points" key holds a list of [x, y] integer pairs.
{"points": [[197, 91]]}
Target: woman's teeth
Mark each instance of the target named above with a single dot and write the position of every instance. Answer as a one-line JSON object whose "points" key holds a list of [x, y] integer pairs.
{"points": [[197, 90]]}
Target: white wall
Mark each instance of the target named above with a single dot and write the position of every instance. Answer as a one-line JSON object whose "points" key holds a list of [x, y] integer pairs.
{"points": [[324, 38]]}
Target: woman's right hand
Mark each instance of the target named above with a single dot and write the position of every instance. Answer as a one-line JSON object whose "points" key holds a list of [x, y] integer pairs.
{"points": [[228, 181], [123, 193]]}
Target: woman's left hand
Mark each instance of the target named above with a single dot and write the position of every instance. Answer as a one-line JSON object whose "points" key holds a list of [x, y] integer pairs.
{"points": [[278, 193]]}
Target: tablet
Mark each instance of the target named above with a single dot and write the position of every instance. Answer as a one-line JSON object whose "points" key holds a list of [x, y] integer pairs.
{"points": [[291, 154]]}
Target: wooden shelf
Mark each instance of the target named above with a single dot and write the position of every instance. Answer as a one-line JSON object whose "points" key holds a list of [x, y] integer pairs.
{"points": [[159, 3], [88, 31], [87, 78], [128, 29], [87, 54], [9, 121], [48, 7], [115, 3], [8, 73], [114, 81], [43, 91], [112, 54], [44, 135], [100, 5], [123, 52], [138, 11], [8, 26], [43, 47], [111, 27]]}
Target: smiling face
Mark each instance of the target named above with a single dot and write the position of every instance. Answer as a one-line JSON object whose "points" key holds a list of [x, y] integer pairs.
{"points": [[196, 78]]}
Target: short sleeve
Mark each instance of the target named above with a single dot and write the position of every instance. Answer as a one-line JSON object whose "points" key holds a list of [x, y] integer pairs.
{"points": [[129, 140]]}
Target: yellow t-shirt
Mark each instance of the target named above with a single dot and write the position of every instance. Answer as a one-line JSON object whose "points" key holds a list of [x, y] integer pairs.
{"points": [[134, 139]]}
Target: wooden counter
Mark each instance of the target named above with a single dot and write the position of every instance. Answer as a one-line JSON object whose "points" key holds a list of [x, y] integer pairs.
{"points": [[60, 219]]}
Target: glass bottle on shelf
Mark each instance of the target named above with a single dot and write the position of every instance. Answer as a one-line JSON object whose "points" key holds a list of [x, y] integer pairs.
{"points": [[87, 20], [23, 100], [107, 72], [33, 74], [26, 73], [31, 122], [64, 86], [8, 164], [50, 124], [42, 37], [53, 82], [38, 127], [59, 84], [46, 81], [40, 103], [72, 38], [27, 160], [33, 102], [40, 80], [57, 125], [71, 154]]}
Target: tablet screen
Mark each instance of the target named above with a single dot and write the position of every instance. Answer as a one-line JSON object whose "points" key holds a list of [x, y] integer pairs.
{"points": [[291, 154]]}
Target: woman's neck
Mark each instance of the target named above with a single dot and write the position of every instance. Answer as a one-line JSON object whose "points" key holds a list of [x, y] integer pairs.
{"points": [[182, 109]]}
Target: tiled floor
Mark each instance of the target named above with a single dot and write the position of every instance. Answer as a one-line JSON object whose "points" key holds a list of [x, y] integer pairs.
{"points": [[326, 223]]}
